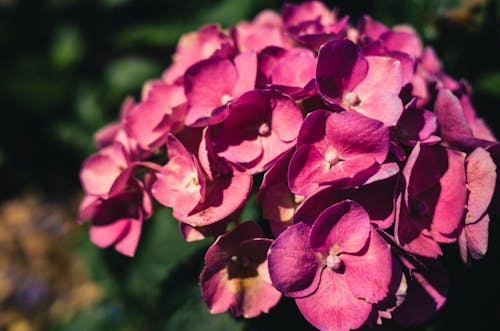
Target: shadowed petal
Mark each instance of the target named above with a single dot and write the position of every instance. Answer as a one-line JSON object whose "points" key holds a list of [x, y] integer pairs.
{"points": [[295, 269]]}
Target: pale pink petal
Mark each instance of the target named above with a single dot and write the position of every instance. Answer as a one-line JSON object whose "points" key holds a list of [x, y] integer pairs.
{"points": [[333, 307], [382, 106], [481, 181], [304, 63], [246, 65], [368, 273]]}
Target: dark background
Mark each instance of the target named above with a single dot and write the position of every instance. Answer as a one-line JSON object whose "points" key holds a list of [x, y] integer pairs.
{"points": [[65, 67]]}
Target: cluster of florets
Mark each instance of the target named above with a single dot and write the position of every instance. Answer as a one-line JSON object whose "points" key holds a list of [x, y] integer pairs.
{"points": [[369, 158]]}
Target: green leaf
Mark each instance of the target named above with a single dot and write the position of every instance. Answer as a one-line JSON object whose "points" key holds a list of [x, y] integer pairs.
{"points": [[67, 47], [489, 83], [126, 75], [163, 249], [88, 107], [251, 210], [193, 315]]}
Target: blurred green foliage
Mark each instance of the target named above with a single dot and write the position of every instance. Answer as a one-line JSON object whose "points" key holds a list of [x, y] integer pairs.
{"points": [[65, 67]]}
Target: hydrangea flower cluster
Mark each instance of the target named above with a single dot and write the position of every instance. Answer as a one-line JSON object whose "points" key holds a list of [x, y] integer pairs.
{"points": [[366, 158]]}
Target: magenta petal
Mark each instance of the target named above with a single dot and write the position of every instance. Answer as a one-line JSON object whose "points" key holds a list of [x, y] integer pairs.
{"points": [[306, 165], [235, 274], [449, 208], [295, 269], [313, 127], [344, 227], [368, 273], [241, 151], [215, 290], [352, 134], [227, 193], [100, 171], [316, 203], [404, 40], [416, 124], [426, 294], [481, 181], [341, 67], [246, 64], [128, 244], [207, 84], [333, 307], [180, 184], [451, 118], [98, 174], [106, 235], [304, 63], [286, 117], [371, 28], [228, 244], [409, 234]]}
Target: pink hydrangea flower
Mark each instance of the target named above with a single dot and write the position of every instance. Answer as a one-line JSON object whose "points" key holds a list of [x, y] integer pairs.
{"points": [[236, 276], [210, 84], [369, 85], [335, 146], [335, 269], [371, 159], [208, 41], [432, 205], [260, 127]]}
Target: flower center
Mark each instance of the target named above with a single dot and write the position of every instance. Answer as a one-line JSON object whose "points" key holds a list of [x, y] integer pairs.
{"points": [[225, 98], [351, 99], [333, 262], [264, 129]]}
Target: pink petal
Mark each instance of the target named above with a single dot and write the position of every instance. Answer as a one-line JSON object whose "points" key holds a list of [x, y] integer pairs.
{"points": [[409, 232], [384, 73], [128, 244], [368, 273], [180, 184], [344, 227], [370, 27], [382, 106], [246, 65], [304, 63], [206, 85], [473, 240], [333, 307], [286, 117], [449, 208], [426, 294], [295, 269], [106, 235], [450, 116], [306, 165], [403, 40], [226, 194], [481, 181], [341, 67], [352, 134]]}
